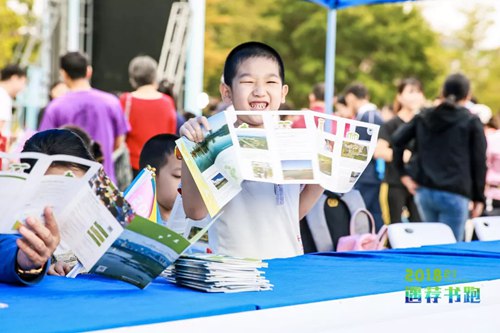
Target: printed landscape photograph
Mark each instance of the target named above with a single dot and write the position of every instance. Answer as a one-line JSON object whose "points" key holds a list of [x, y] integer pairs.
{"points": [[297, 169]]}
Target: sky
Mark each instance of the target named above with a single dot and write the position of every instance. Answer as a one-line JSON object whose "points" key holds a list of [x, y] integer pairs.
{"points": [[444, 16]]}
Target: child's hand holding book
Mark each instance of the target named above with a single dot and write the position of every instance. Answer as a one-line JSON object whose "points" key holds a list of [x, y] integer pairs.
{"points": [[194, 129]]}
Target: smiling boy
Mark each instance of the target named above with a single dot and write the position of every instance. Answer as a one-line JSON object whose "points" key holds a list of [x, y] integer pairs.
{"points": [[262, 221]]}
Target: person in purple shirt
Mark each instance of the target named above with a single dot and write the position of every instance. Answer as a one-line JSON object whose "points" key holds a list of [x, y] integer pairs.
{"points": [[97, 112]]}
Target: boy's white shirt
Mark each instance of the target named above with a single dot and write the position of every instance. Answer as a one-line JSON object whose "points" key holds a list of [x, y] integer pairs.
{"points": [[253, 226]]}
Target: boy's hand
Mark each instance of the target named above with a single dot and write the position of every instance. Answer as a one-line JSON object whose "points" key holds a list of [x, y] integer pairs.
{"points": [[38, 242], [192, 129]]}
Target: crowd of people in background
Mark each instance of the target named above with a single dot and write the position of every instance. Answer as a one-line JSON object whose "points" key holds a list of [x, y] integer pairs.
{"points": [[434, 161]]}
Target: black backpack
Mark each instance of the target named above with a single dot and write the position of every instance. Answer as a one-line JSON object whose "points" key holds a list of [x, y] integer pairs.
{"points": [[329, 220]]}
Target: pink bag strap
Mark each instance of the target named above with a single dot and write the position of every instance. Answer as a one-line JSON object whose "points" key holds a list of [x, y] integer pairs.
{"points": [[352, 223], [382, 237]]}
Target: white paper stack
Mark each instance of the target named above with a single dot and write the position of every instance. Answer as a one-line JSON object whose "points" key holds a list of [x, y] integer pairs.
{"points": [[216, 273]]}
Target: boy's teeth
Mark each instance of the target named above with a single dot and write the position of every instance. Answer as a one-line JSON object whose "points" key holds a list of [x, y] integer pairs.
{"points": [[258, 106]]}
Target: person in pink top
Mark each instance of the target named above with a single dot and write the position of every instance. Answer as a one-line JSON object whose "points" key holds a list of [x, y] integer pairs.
{"points": [[97, 112], [492, 191]]}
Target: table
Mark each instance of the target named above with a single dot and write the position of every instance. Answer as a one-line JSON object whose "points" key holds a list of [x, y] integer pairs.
{"points": [[305, 287]]}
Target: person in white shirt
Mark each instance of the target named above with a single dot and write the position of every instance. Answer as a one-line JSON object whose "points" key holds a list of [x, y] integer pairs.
{"points": [[12, 81]]}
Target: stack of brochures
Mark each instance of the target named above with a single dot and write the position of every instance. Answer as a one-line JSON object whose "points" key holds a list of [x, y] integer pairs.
{"points": [[217, 273]]}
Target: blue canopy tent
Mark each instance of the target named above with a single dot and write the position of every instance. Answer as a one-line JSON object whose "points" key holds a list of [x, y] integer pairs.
{"points": [[331, 32]]}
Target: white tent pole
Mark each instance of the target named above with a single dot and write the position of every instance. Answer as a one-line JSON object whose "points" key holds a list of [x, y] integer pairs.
{"points": [[194, 63], [73, 25], [331, 32]]}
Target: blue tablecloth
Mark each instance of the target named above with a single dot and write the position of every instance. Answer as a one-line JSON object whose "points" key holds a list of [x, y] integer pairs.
{"points": [[90, 302]]}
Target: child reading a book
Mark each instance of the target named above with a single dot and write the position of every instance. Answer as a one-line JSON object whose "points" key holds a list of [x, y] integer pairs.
{"points": [[262, 221], [55, 142], [158, 152]]}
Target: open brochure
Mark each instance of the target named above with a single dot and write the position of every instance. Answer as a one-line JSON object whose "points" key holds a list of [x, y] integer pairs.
{"points": [[330, 151], [96, 223]]}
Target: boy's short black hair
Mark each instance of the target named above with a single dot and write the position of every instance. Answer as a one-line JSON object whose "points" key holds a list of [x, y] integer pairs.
{"points": [[156, 151], [11, 70], [75, 65], [248, 50], [358, 90]]}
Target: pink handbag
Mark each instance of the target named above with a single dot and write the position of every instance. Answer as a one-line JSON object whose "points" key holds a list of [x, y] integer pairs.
{"points": [[362, 237]]}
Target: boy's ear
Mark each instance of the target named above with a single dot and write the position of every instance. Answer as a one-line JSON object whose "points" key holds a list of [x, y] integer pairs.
{"points": [[225, 93], [284, 92]]}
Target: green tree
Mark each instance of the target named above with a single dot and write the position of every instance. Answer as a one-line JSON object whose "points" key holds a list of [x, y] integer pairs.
{"points": [[376, 45], [229, 23], [10, 22], [486, 89], [465, 54]]}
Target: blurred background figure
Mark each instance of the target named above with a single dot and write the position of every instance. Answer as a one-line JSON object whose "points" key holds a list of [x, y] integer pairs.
{"points": [[12, 82], [341, 108], [387, 113], [483, 112], [93, 147], [450, 160], [408, 101], [358, 101], [166, 87], [148, 111], [97, 112], [492, 191], [286, 107], [57, 89], [316, 103]]}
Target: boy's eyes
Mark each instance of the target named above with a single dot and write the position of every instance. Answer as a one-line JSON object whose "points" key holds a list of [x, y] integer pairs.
{"points": [[252, 82]]}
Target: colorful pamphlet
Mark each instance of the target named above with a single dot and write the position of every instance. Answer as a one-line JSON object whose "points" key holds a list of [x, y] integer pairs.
{"points": [[330, 151], [95, 221]]}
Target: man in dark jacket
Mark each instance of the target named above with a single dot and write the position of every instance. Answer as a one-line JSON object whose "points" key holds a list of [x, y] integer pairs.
{"points": [[449, 168]]}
